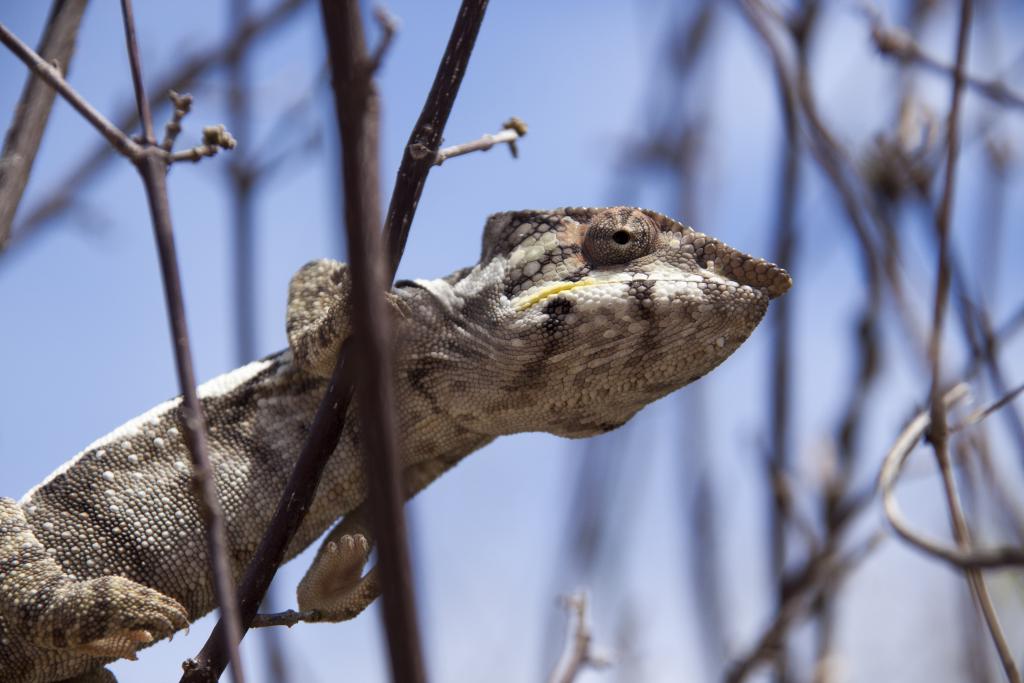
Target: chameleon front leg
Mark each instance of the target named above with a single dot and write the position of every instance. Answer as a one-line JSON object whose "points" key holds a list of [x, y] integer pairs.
{"points": [[108, 616], [334, 585]]}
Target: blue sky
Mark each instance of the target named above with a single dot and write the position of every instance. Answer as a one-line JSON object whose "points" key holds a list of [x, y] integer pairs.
{"points": [[86, 338]]}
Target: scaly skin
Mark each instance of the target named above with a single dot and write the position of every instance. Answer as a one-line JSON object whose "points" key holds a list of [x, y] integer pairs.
{"points": [[573, 320]]}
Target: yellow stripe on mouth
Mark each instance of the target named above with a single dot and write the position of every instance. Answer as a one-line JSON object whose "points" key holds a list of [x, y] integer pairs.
{"points": [[551, 290]]}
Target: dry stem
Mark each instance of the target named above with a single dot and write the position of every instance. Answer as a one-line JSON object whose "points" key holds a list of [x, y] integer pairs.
{"points": [[579, 653]]}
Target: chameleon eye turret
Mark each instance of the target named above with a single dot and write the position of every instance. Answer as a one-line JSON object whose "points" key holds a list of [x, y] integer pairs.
{"points": [[619, 235]]}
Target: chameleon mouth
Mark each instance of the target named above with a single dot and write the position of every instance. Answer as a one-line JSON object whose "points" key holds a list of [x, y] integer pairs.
{"points": [[523, 303], [721, 259], [731, 264]]}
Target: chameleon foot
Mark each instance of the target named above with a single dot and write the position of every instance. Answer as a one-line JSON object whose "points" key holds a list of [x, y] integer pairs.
{"points": [[109, 617], [335, 575]]}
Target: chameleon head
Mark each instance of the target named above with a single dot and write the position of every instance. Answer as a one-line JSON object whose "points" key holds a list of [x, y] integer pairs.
{"points": [[609, 309]]}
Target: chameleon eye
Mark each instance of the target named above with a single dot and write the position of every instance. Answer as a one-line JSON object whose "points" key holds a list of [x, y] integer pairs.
{"points": [[617, 236]]}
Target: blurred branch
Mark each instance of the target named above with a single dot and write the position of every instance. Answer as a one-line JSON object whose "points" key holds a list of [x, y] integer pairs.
{"points": [[513, 129], [831, 157], [578, 643], [388, 24], [279, 145], [190, 69], [893, 465], [358, 113], [938, 431], [827, 565], [981, 413], [902, 46], [243, 264], [326, 429], [782, 347], [153, 169], [33, 110]]}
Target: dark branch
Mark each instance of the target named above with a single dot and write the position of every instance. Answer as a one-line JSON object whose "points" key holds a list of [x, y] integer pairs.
{"points": [[329, 420], [358, 113], [421, 150], [152, 165]]}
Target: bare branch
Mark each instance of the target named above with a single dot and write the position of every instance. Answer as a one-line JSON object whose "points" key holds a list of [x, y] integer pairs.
{"points": [[189, 70], [389, 26], [33, 111], [578, 653], [980, 414], [152, 165], [358, 113], [512, 130], [902, 46], [215, 138], [893, 465], [939, 430], [52, 76], [182, 106], [427, 133], [828, 566]]}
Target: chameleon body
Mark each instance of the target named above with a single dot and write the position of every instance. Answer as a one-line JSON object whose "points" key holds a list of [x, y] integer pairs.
{"points": [[572, 321]]}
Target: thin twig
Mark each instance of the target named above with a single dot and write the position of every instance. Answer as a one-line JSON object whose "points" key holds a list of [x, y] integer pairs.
{"points": [[389, 26], [828, 566], [579, 653], [53, 77], [325, 431], [426, 135], [33, 110], [153, 169], [189, 69], [215, 138], [182, 106], [893, 465], [513, 129], [980, 414], [151, 161], [902, 46]]}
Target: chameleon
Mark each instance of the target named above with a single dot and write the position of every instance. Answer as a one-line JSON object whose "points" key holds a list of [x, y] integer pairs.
{"points": [[572, 320]]}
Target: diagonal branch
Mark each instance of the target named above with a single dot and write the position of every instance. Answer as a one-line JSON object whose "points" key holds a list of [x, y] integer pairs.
{"points": [[33, 110], [190, 69], [52, 76], [427, 134], [902, 47]]}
